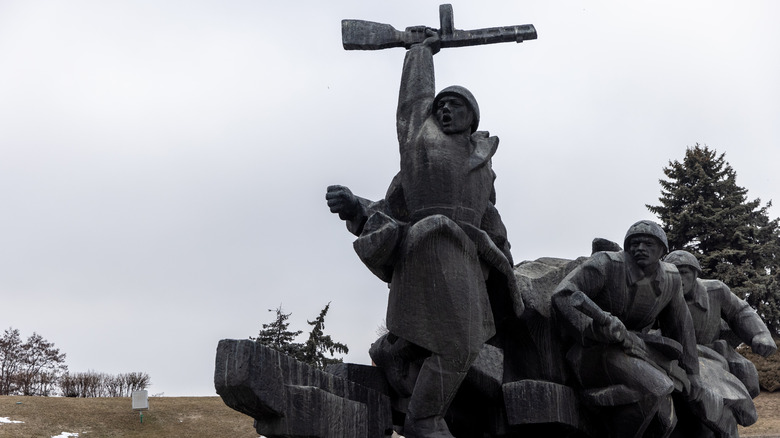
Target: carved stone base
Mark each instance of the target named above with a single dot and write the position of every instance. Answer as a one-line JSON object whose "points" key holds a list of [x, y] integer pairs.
{"points": [[290, 399]]}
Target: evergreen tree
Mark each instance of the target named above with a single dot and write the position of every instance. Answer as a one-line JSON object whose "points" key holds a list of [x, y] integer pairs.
{"points": [[277, 336], [319, 343], [706, 213]]}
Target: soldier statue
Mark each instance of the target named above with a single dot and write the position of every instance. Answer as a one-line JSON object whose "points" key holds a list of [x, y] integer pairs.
{"points": [[607, 307], [733, 377], [437, 238]]}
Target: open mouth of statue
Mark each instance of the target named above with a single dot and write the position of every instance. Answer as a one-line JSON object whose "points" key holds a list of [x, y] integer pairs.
{"points": [[446, 119]]}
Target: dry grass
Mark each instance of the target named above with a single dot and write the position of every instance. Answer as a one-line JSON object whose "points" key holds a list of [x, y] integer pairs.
{"points": [[768, 424], [189, 417], [193, 417]]}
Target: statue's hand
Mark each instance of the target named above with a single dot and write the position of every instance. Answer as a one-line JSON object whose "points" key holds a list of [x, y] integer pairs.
{"points": [[433, 41], [613, 331], [763, 344], [342, 201]]}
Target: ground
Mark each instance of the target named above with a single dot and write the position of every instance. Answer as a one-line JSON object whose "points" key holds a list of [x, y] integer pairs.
{"points": [[195, 417], [768, 424]]}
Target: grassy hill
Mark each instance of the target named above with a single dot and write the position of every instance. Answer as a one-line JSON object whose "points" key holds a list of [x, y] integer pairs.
{"points": [[193, 417], [187, 417]]}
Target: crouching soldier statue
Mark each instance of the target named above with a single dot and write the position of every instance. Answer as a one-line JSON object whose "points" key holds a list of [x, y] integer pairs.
{"points": [[731, 376], [607, 307]]}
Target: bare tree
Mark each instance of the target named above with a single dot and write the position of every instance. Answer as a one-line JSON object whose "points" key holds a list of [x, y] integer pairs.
{"points": [[10, 360], [94, 384], [40, 364], [29, 368], [136, 382]]}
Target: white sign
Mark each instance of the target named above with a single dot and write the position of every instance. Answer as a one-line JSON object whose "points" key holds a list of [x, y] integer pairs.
{"points": [[141, 400]]}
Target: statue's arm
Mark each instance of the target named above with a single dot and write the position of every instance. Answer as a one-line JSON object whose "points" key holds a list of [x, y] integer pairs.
{"points": [[352, 209], [676, 322], [355, 210], [589, 278], [494, 226], [745, 322], [496, 230], [417, 90]]}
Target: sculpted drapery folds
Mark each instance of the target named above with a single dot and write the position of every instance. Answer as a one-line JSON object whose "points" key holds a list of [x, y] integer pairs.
{"points": [[732, 376], [607, 306], [436, 238]]}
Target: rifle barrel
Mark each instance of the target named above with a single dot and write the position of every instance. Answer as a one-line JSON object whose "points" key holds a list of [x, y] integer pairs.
{"points": [[461, 38], [367, 35]]}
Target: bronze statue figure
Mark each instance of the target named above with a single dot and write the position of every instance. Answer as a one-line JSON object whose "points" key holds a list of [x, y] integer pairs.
{"points": [[622, 343], [436, 238], [607, 307], [733, 378]]}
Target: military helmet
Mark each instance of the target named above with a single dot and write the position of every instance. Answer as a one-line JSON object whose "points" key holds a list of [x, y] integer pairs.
{"points": [[463, 93], [683, 258], [649, 228]]}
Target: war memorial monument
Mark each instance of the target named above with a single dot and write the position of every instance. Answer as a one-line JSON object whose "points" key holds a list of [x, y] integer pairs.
{"points": [[623, 343]]}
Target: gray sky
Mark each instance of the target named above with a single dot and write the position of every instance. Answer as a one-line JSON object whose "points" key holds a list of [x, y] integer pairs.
{"points": [[163, 165]]}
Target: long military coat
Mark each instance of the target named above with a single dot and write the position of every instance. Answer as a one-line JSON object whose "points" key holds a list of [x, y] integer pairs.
{"points": [[437, 235]]}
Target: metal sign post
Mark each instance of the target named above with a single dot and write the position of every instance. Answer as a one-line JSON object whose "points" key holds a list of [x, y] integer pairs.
{"points": [[141, 402]]}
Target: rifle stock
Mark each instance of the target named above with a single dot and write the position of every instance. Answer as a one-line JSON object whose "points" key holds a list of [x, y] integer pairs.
{"points": [[368, 35]]}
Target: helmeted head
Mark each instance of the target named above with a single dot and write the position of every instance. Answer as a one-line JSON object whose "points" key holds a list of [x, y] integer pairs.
{"points": [[650, 228], [646, 242], [682, 258], [444, 114], [688, 266]]}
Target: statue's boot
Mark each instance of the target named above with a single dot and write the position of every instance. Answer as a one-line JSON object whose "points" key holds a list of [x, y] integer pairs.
{"points": [[650, 417], [400, 361], [431, 427], [436, 385]]}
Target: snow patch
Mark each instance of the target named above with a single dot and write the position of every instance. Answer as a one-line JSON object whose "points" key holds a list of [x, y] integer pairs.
{"points": [[8, 420], [65, 435]]}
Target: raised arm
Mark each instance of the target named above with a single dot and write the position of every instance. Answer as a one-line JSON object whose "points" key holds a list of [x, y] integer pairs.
{"points": [[418, 88]]}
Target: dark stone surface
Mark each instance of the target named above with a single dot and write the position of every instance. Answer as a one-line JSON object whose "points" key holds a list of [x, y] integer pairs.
{"points": [[367, 35], [523, 389], [600, 346], [734, 380], [606, 306], [534, 350], [437, 237], [290, 399], [369, 376], [541, 402]]}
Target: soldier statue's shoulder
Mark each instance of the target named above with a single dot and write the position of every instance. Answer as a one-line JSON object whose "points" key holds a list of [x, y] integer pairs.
{"points": [[713, 286], [615, 256]]}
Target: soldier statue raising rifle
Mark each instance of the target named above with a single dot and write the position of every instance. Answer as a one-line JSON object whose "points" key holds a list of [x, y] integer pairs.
{"points": [[437, 237]]}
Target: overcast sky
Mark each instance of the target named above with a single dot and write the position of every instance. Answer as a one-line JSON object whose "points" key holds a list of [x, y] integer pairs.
{"points": [[163, 165]]}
